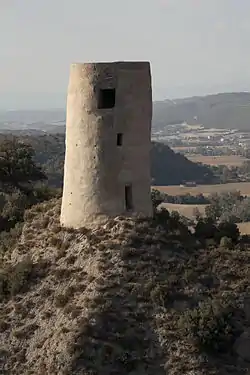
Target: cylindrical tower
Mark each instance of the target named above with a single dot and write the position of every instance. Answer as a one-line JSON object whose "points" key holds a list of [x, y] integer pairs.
{"points": [[108, 131]]}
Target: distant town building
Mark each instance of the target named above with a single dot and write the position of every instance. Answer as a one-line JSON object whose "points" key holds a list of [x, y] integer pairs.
{"points": [[189, 184]]}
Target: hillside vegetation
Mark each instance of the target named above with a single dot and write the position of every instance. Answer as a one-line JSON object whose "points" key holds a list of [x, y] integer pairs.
{"points": [[137, 296], [134, 297], [167, 167], [170, 168], [226, 111]]}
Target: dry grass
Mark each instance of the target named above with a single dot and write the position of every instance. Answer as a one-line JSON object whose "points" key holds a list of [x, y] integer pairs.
{"points": [[243, 187], [113, 301], [229, 160], [244, 228]]}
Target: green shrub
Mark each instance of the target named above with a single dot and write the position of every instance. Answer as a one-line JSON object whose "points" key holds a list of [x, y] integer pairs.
{"points": [[45, 193], [20, 275], [205, 229], [210, 243], [162, 217], [56, 229], [227, 229], [2, 201], [55, 241], [9, 239], [3, 283], [226, 242], [157, 198], [13, 279], [61, 300], [210, 326]]}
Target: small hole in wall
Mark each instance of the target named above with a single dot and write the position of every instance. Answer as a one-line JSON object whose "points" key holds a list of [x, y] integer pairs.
{"points": [[106, 98], [119, 139], [128, 197]]}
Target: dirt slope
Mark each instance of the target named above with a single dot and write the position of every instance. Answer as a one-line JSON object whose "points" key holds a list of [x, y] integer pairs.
{"points": [[112, 301]]}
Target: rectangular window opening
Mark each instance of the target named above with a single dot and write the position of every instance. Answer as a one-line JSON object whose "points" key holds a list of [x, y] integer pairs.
{"points": [[106, 98], [128, 198], [119, 139]]}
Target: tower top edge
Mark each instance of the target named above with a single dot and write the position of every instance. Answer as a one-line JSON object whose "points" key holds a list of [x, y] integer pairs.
{"points": [[118, 64]]}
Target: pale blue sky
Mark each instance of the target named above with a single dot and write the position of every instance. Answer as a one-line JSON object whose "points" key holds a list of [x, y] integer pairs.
{"points": [[195, 46]]}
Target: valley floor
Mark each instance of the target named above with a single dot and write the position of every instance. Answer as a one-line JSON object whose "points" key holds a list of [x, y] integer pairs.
{"points": [[243, 187]]}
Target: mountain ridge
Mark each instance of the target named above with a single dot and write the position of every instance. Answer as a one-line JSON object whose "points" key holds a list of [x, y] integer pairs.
{"points": [[167, 167], [221, 110]]}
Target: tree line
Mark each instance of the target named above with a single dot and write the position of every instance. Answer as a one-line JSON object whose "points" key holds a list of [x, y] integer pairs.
{"points": [[24, 182], [186, 199], [208, 230], [229, 206], [167, 167]]}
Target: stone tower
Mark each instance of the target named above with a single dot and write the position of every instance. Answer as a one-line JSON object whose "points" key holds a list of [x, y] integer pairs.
{"points": [[108, 131]]}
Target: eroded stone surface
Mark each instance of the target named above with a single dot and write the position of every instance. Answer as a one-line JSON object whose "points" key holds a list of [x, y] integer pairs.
{"points": [[96, 168]]}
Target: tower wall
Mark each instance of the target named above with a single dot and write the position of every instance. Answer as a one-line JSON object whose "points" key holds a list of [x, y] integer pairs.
{"points": [[107, 149]]}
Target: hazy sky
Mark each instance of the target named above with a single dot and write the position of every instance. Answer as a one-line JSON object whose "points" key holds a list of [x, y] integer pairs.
{"points": [[195, 46]]}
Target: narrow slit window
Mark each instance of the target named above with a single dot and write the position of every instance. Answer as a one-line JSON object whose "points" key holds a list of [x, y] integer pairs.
{"points": [[106, 98], [128, 198], [119, 139]]}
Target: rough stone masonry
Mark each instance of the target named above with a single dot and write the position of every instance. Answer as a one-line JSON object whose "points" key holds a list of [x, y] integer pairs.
{"points": [[108, 140]]}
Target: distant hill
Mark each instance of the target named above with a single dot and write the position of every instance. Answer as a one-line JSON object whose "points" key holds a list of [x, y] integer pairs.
{"points": [[170, 168], [51, 120], [226, 110], [167, 167], [30, 117]]}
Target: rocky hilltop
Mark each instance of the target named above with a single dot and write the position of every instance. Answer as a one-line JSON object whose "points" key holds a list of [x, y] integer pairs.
{"points": [[134, 297]]}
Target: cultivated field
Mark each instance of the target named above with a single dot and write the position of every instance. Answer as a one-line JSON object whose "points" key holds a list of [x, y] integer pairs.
{"points": [[186, 148], [185, 209], [244, 228], [230, 160], [243, 187], [183, 148]]}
